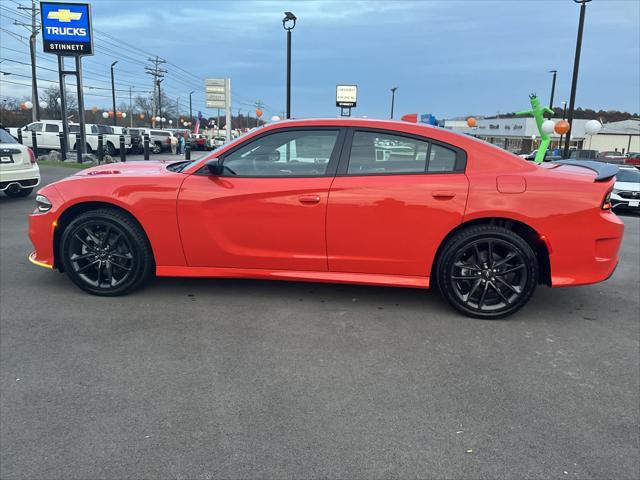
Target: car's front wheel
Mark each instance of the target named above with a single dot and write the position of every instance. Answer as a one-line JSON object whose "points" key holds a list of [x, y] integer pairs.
{"points": [[487, 272], [105, 252]]}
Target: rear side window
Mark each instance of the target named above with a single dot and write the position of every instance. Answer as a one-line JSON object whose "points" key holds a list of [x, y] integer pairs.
{"points": [[441, 159], [385, 153], [373, 152], [51, 127]]}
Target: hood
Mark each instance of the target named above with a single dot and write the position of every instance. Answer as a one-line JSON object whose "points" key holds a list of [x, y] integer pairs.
{"points": [[628, 186], [148, 167]]}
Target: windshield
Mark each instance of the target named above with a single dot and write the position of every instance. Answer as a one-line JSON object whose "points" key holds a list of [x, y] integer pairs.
{"points": [[5, 137], [628, 175]]}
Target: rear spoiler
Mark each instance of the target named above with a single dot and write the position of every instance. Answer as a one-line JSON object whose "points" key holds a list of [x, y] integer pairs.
{"points": [[604, 171]]}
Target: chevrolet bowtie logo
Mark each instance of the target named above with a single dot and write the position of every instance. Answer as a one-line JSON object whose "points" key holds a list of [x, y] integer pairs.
{"points": [[64, 15]]}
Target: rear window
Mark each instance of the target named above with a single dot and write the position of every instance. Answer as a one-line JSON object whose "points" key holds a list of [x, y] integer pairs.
{"points": [[160, 134], [628, 175], [5, 137]]}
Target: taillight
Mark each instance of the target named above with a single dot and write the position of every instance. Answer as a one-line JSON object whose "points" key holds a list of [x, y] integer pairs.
{"points": [[32, 157], [606, 203]]}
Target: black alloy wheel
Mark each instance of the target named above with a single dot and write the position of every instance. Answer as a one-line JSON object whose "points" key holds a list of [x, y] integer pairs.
{"points": [[488, 272], [105, 252]]}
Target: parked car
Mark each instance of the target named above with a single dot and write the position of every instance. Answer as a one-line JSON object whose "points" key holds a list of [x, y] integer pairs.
{"points": [[47, 134], [114, 133], [612, 157], [584, 155], [626, 191], [137, 139], [199, 141], [548, 157], [159, 140], [19, 172], [313, 200], [216, 142], [633, 158]]}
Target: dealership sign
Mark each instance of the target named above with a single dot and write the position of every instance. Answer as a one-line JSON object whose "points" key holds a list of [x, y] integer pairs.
{"points": [[346, 96], [66, 28]]}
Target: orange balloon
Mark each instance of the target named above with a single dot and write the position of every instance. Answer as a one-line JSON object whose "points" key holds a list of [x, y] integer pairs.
{"points": [[94, 109], [471, 122], [142, 116], [562, 127], [110, 114], [119, 114], [258, 112], [23, 106]]}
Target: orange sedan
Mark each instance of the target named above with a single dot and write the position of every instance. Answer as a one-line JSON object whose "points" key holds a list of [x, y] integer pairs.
{"points": [[338, 200]]}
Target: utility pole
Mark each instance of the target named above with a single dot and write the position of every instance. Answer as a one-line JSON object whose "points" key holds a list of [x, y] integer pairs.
{"points": [[35, 111], [259, 105], [130, 109], [191, 109], [157, 73], [160, 103]]}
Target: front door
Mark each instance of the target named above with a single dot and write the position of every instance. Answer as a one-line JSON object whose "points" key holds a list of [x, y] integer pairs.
{"points": [[395, 198], [268, 209]]}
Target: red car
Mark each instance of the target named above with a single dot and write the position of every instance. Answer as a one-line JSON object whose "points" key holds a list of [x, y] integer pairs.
{"points": [[338, 200]]}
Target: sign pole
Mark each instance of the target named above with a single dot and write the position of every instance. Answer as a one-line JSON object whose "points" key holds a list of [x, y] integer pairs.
{"points": [[63, 106], [83, 134], [227, 82]]}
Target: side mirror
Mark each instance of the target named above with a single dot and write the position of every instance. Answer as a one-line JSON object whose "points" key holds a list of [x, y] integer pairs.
{"points": [[214, 166]]}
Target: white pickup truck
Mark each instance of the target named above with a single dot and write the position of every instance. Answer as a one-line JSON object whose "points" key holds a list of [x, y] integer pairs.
{"points": [[48, 136]]}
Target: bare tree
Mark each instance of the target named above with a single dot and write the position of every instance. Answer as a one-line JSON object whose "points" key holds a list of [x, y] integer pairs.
{"points": [[52, 111]]}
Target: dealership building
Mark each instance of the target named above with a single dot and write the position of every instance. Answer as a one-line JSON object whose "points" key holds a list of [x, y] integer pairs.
{"points": [[520, 134], [516, 135]]}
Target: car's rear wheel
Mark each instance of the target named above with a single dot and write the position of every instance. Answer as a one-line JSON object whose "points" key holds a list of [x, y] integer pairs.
{"points": [[14, 191], [156, 148], [487, 272], [105, 252]]}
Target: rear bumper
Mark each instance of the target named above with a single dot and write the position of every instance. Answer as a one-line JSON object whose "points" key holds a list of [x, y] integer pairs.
{"points": [[25, 178], [589, 254]]}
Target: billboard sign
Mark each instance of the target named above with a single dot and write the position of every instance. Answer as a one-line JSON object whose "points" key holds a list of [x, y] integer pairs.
{"points": [[215, 92], [346, 96], [66, 28]]}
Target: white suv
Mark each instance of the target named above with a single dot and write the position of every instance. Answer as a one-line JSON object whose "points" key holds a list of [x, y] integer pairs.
{"points": [[19, 172]]}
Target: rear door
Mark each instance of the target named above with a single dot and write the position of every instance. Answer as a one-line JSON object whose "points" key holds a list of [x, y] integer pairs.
{"points": [[394, 199]]}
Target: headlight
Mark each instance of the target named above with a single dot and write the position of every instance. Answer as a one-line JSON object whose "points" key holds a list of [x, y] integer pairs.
{"points": [[615, 191], [43, 203]]}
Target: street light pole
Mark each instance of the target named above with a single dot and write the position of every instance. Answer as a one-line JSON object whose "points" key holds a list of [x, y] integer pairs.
{"points": [[553, 89], [574, 81], [190, 109], [393, 99], [288, 16], [113, 94]]}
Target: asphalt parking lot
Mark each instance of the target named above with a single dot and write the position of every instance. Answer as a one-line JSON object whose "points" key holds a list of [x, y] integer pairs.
{"points": [[211, 378]]}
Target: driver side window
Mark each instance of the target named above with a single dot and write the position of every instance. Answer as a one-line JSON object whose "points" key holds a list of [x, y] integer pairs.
{"points": [[296, 153]]}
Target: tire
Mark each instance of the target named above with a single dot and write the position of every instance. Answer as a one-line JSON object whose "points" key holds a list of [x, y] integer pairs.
{"points": [[111, 150], [105, 252], [487, 272], [16, 192], [156, 148]]}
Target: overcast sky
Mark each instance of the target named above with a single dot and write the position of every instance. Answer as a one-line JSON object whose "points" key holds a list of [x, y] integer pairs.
{"points": [[449, 58]]}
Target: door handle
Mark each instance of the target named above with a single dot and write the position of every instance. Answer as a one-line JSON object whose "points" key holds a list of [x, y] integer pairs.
{"points": [[443, 195], [309, 199]]}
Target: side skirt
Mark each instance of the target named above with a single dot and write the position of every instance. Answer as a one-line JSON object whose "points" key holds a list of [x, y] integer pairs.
{"points": [[300, 276]]}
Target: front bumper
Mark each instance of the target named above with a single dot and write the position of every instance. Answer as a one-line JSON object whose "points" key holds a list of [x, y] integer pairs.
{"points": [[623, 202]]}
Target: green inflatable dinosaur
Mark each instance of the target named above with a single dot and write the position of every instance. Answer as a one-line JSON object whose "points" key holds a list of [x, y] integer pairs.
{"points": [[537, 111]]}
